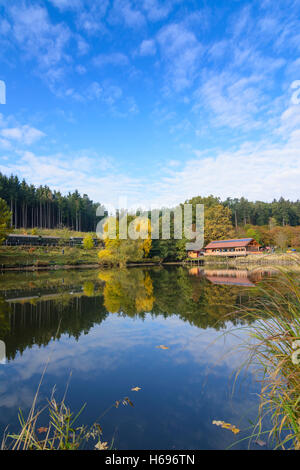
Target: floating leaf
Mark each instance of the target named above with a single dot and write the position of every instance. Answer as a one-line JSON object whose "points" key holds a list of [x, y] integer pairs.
{"points": [[136, 389], [161, 346], [41, 430], [101, 446], [229, 426], [260, 443], [126, 401]]}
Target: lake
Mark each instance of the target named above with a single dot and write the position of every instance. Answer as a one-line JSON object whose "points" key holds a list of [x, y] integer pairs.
{"points": [[102, 333]]}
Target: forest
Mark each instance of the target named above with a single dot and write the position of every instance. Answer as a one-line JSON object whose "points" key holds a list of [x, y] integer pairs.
{"points": [[42, 207], [243, 212], [275, 223], [46, 208]]}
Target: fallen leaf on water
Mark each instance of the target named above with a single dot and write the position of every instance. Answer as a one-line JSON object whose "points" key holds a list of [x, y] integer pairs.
{"points": [[126, 401], [161, 346], [101, 446], [260, 443], [136, 389], [229, 426], [40, 430]]}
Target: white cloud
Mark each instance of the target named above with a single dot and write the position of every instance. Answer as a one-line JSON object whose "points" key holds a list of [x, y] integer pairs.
{"points": [[81, 69], [181, 52], [37, 36], [23, 134], [124, 12], [147, 47], [107, 93], [231, 100], [88, 172], [261, 171], [67, 4], [115, 59], [156, 10], [5, 144], [82, 45], [290, 120], [90, 18], [4, 27]]}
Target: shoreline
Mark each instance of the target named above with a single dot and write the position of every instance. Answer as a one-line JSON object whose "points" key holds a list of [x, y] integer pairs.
{"points": [[57, 267], [252, 261], [280, 259]]}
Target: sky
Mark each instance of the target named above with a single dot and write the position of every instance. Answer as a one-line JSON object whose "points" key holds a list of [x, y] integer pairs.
{"points": [[152, 101]]}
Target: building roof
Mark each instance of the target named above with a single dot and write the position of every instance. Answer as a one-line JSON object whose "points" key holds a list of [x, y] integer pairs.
{"points": [[241, 242]]}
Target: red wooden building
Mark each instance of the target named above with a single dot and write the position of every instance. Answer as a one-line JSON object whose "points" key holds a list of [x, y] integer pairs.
{"points": [[235, 247]]}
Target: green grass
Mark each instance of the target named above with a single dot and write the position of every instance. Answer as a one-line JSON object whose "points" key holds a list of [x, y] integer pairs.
{"points": [[276, 354], [269, 259], [46, 256], [61, 433], [64, 233]]}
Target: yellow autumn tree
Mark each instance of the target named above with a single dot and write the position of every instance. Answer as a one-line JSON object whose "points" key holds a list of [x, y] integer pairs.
{"points": [[119, 251], [5, 216], [217, 223], [88, 242]]}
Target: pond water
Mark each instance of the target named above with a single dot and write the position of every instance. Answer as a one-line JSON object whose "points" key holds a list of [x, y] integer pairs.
{"points": [[100, 331]]}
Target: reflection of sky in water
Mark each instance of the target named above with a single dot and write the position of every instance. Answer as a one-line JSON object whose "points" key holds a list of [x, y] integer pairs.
{"points": [[182, 389]]}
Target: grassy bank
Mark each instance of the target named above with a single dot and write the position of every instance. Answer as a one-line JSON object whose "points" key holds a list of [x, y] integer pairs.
{"points": [[62, 431], [18, 257], [274, 259], [276, 355], [47, 232], [23, 257]]}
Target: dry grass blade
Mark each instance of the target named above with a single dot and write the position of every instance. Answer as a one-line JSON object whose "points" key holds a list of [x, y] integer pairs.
{"points": [[276, 332]]}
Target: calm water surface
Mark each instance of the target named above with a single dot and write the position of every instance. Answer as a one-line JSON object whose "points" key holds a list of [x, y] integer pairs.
{"points": [[104, 327]]}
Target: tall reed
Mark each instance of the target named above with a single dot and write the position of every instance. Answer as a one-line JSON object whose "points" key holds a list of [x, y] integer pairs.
{"points": [[275, 350]]}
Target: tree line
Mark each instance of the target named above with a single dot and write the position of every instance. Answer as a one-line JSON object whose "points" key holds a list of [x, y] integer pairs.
{"points": [[275, 223], [243, 212], [42, 207]]}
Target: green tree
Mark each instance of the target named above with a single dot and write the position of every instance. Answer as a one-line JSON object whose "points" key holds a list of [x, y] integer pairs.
{"points": [[252, 233], [5, 217], [88, 242], [281, 240], [217, 223]]}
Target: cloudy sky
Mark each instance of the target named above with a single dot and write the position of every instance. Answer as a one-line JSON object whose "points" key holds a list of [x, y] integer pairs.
{"points": [[153, 100]]}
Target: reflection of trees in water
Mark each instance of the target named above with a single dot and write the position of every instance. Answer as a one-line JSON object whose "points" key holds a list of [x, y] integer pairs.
{"points": [[167, 292], [197, 301], [132, 292], [4, 318], [36, 323], [128, 291]]}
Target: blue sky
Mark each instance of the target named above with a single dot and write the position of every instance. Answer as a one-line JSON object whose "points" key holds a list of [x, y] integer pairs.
{"points": [[152, 100]]}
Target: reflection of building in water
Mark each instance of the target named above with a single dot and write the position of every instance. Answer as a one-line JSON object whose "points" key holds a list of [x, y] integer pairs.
{"points": [[196, 271], [238, 277], [235, 277], [259, 274]]}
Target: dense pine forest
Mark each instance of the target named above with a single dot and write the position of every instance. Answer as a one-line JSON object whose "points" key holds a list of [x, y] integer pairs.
{"points": [[42, 207], [46, 208], [243, 212]]}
